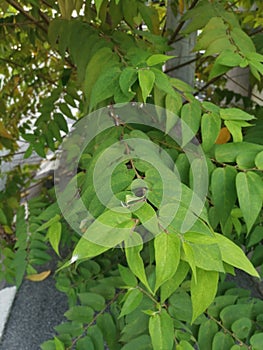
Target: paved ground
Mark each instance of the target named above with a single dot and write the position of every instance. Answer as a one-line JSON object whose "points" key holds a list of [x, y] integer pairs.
{"points": [[37, 308]]}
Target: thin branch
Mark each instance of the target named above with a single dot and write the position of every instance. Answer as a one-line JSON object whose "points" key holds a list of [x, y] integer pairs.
{"points": [[244, 88], [46, 3], [211, 81], [181, 65], [26, 14], [256, 31], [18, 24], [11, 62], [44, 17], [180, 25]]}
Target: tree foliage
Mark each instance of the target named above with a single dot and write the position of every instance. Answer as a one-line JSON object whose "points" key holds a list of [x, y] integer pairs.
{"points": [[62, 60]]}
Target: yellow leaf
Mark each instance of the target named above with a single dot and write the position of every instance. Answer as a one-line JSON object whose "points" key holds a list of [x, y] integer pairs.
{"points": [[38, 276], [3, 132], [223, 137], [181, 7]]}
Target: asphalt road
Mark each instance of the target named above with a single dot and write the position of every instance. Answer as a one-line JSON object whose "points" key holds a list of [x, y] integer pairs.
{"points": [[37, 308]]}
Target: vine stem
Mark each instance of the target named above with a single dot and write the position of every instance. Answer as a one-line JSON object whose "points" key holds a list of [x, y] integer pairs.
{"points": [[229, 332], [135, 170], [94, 319], [147, 294]]}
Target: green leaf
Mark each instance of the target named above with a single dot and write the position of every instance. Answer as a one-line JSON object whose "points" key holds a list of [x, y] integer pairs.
{"points": [[173, 103], [61, 122], [181, 85], [217, 70], [66, 110], [96, 301], [167, 256], [229, 151], [242, 40], [182, 166], [190, 258], [111, 228], [143, 342], [180, 306], [246, 160], [148, 218], [97, 338], [150, 17], [222, 341], [54, 235], [146, 81], [229, 58], [161, 330], [3, 218], [191, 116], [98, 4], [259, 160], [74, 329], [184, 345], [232, 313], [108, 328], [136, 323], [83, 314], [233, 255], [249, 191], [207, 256], [205, 285], [255, 236], [170, 286], [216, 28], [223, 191], [206, 333], [242, 327], [104, 86], [162, 81], [210, 128], [235, 114], [85, 249], [133, 299], [103, 60], [235, 129], [218, 45], [58, 343], [134, 258], [220, 303], [127, 276], [85, 343], [195, 20], [48, 345], [157, 59], [257, 341], [127, 79]]}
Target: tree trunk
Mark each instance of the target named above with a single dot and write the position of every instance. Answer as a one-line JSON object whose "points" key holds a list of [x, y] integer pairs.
{"points": [[182, 49]]}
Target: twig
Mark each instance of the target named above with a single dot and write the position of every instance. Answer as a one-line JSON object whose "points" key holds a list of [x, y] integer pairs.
{"points": [[181, 65], [18, 24], [180, 25], [244, 88], [26, 14]]}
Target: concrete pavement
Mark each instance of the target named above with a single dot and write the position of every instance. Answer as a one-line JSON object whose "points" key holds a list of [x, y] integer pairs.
{"points": [[37, 308]]}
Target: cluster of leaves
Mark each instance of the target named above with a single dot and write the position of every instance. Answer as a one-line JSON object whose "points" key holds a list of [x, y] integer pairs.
{"points": [[95, 319], [29, 248], [160, 294]]}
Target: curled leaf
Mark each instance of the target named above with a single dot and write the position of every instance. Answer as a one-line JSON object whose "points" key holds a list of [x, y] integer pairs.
{"points": [[38, 277], [223, 137]]}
